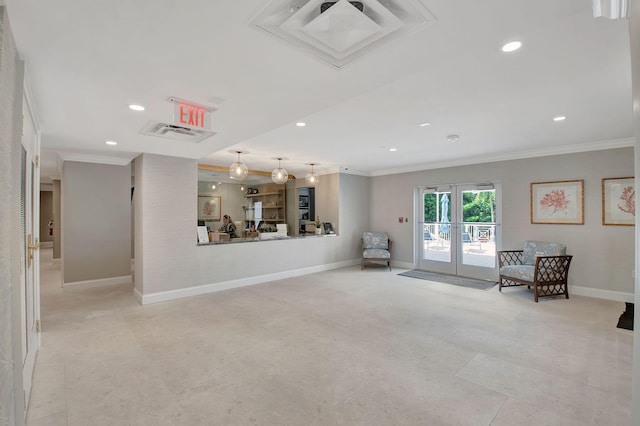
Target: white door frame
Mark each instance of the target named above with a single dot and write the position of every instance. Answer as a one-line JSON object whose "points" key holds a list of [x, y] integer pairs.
{"points": [[455, 245], [30, 276]]}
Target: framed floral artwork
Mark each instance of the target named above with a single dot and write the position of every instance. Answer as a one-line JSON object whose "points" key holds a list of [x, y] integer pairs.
{"points": [[208, 207], [559, 202], [619, 201]]}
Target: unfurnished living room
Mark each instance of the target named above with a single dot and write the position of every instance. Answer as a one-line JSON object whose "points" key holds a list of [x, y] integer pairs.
{"points": [[292, 212]]}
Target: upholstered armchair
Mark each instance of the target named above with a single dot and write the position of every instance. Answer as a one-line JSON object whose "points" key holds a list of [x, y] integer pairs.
{"points": [[376, 247], [543, 266]]}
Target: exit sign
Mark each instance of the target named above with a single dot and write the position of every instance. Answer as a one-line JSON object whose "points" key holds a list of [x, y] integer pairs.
{"points": [[190, 114]]}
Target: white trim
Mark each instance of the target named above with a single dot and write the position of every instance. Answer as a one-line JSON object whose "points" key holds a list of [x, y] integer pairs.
{"points": [[57, 262], [164, 296], [556, 150], [402, 265], [46, 244], [98, 159], [618, 296], [126, 279], [138, 296]]}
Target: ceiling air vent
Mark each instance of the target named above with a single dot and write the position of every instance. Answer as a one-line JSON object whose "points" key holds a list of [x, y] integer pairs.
{"points": [[340, 31], [171, 131]]}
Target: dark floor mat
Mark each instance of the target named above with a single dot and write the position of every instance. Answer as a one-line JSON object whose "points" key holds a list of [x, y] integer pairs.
{"points": [[450, 279]]}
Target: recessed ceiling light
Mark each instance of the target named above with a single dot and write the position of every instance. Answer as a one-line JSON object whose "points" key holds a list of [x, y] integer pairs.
{"points": [[136, 107], [301, 124], [393, 149], [512, 46], [452, 138], [559, 118], [111, 143], [425, 124]]}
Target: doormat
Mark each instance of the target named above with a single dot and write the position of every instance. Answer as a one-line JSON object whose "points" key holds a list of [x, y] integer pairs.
{"points": [[626, 319], [450, 279]]}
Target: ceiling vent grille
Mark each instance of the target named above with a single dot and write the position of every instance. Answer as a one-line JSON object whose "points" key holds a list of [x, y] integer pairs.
{"points": [[171, 131], [340, 31]]}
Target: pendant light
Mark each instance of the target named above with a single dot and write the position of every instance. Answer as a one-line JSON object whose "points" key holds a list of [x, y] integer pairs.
{"points": [[238, 170], [279, 175], [311, 178]]}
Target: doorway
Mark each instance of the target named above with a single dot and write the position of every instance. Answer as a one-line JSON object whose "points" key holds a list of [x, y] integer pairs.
{"points": [[306, 208], [458, 229]]}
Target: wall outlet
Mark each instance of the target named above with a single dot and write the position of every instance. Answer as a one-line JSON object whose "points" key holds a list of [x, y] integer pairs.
{"points": [[400, 219]]}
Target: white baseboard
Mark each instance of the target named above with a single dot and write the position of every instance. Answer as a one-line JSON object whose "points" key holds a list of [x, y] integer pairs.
{"points": [[57, 262], [126, 279], [402, 265], [618, 296], [164, 296], [138, 296], [46, 244]]}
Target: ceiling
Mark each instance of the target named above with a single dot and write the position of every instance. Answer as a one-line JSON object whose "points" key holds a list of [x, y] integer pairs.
{"points": [[87, 61]]}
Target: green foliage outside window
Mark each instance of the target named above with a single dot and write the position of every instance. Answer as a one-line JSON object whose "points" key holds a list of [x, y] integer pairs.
{"points": [[477, 206]]}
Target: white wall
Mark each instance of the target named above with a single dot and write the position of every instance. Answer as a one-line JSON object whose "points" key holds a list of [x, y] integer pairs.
{"points": [[169, 260], [603, 255], [96, 216], [11, 81], [355, 197], [634, 31]]}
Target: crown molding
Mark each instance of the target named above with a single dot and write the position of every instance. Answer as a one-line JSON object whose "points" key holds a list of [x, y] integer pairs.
{"points": [[559, 150], [97, 159]]}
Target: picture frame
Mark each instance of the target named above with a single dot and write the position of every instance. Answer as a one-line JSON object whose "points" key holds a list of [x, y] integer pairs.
{"points": [[203, 235], [560, 202], [618, 201], [303, 201], [209, 207]]}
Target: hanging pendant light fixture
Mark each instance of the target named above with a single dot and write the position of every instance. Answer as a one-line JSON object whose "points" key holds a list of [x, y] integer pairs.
{"points": [[238, 170], [279, 175], [311, 178]]}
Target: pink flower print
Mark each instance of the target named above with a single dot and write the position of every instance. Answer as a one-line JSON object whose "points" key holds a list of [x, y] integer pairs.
{"points": [[208, 208], [556, 200], [628, 199]]}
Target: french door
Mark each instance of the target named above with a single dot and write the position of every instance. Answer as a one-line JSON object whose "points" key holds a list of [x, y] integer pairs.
{"points": [[458, 229], [30, 235]]}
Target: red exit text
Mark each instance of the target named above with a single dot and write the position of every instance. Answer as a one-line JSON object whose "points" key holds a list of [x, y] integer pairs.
{"points": [[191, 115]]}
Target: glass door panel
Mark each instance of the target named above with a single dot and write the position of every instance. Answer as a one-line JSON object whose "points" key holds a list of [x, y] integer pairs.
{"points": [[436, 251], [477, 232]]}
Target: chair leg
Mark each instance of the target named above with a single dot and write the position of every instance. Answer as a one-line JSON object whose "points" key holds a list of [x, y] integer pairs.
{"points": [[389, 265], [535, 292], [500, 285]]}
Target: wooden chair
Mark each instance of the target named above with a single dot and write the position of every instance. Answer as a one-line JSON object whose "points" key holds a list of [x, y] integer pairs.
{"points": [[545, 266], [376, 247]]}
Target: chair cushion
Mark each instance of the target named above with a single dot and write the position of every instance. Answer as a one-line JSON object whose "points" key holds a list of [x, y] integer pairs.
{"points": [[537, 248], [376, 254], [375, 240], [521, 272]]}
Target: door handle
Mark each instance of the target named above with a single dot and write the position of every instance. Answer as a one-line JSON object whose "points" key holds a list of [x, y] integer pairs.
{"points": [[31, 246]]}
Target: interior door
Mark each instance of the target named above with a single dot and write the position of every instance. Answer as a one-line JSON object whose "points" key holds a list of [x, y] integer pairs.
{"points": [[458, 229], [29, 227]]}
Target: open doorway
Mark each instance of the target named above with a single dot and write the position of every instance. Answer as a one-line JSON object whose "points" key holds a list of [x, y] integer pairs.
{"points": [[306, 208]]}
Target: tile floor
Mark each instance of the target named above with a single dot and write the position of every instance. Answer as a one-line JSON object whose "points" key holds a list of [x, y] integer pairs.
{"points": [[339, 347]]}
